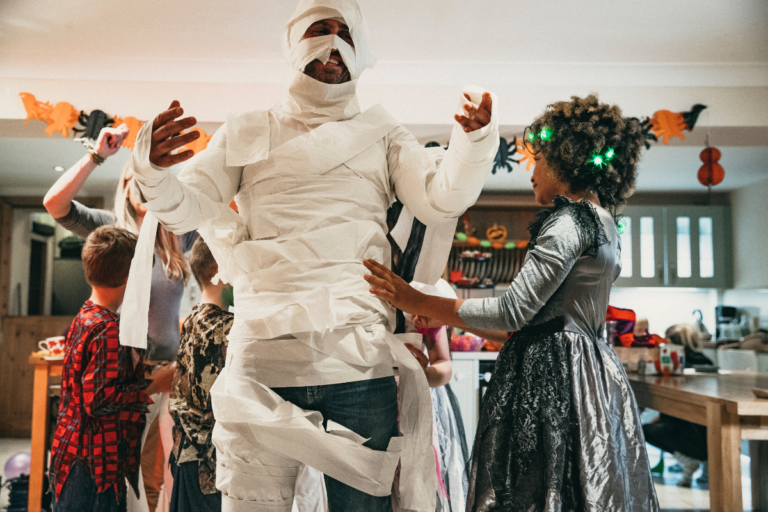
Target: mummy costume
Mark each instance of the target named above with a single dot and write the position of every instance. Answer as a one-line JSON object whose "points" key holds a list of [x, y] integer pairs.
{"points": [[313, 178], [559, 427]]}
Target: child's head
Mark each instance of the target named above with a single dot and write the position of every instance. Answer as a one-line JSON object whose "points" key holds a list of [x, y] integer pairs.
{"points": [[203, 264], [684, 334], [641, 327], [107, 256], [588, 146]]}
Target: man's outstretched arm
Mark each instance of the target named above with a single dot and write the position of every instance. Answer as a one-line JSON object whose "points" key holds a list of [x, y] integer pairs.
{"points": [[204, 185], [439, 185]]}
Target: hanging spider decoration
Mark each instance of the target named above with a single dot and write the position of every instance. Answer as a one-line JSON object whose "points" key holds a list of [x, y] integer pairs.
{"points": [[647, 130], [92, 124], [505, 157]]}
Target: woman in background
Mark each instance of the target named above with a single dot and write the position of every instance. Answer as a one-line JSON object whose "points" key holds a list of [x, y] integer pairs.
{"points": [[169, 277]]}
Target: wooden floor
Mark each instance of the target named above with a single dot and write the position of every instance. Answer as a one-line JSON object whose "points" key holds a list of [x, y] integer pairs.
{"points": [[671, 497]]}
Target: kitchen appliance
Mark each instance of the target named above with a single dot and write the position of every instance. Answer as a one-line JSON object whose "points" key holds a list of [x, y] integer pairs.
{"points": [[486, 372], [727, 318]]}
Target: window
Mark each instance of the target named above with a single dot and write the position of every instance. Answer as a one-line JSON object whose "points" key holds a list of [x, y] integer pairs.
{"points": [[706, 248], [683, 247], [647, 250], [625, 233]]}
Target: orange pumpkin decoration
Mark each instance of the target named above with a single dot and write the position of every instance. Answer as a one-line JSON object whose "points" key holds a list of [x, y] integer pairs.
{"points": [[473, 240], [496, 233], [497, 245], [711, 173]]}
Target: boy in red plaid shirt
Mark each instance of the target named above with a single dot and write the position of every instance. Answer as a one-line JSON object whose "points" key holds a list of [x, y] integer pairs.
{"points": [[104, 394]]}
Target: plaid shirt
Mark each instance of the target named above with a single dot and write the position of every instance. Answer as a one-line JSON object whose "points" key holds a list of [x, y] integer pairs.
{"points": [[103, 404]]}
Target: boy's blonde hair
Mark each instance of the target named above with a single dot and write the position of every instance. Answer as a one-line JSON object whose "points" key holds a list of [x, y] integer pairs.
{"points": [[202, 263]]}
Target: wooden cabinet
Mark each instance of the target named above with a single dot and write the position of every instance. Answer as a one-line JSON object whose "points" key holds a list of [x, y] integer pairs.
{"points": [[676, 246]]}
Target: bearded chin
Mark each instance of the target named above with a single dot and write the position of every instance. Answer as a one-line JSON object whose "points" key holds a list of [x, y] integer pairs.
{"points": [[315, 70]]}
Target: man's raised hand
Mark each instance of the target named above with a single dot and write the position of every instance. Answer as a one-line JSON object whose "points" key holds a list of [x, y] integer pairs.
{"points": [[478, 116], [166, 138]]}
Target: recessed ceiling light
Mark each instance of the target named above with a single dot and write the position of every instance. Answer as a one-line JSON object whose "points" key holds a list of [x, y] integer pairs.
{"points": [[58, 168]]}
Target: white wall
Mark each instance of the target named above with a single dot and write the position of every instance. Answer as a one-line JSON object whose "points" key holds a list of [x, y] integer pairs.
{"points": [[749, 211]]}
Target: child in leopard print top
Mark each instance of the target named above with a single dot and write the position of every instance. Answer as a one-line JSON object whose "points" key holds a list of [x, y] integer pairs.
{"points": [[202, 352]]}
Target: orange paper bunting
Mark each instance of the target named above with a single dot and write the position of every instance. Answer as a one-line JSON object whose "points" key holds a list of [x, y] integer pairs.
{"points": [[667, 125], [63, 118], [197, 145], [134, 125], [35, 109], [525, 155]]}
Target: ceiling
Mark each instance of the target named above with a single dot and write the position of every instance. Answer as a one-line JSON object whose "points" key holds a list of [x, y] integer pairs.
{"points": [[676, 53], [92, 38]]}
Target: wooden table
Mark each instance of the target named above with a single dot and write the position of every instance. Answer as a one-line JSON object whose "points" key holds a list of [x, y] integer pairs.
{"points": [[726, 406], [43, 370]]}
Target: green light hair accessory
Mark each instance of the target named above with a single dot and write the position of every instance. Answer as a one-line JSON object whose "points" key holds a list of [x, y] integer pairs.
{"points": [[598, 159], [545, 133]]}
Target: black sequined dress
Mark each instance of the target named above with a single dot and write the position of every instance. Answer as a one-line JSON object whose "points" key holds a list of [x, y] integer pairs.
{"points": [[559, 427]]}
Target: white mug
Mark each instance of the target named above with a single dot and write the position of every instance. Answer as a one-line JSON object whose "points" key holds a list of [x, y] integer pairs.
{"points": [[54, 345]]}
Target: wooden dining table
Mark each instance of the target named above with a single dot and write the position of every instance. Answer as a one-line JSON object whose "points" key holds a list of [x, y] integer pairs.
{"points": [[44, 369], [726, 405]]}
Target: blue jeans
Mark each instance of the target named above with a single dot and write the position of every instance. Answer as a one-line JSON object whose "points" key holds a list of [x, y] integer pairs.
{"points": [[367, 407], [79, 494]]}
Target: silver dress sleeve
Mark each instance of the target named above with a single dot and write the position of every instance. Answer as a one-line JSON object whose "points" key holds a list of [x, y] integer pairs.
{"points": [[549, 261]]}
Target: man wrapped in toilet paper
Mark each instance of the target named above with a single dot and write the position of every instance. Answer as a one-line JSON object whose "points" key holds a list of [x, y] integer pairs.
{"points": [[309, 372]]}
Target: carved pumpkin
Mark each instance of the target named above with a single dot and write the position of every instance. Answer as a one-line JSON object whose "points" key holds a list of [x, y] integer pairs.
{"points": [[496, 233], [711, 173]]}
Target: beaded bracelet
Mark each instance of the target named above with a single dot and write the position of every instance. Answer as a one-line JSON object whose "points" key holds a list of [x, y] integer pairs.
{"points": [[95, 156]]}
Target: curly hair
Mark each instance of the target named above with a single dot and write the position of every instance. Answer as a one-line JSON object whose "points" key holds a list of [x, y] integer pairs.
{"points": [[590, 146]]}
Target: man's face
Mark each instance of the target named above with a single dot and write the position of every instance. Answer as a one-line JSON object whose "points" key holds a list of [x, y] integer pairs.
{"points": [[334, 71]]}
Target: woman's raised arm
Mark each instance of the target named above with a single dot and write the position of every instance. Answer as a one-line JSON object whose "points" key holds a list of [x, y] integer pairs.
{"points": [[59, 198]]}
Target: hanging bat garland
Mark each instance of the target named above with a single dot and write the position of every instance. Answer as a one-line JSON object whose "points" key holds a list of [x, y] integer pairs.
{"points": [[63, 117], [92, 124], [505, 157]]}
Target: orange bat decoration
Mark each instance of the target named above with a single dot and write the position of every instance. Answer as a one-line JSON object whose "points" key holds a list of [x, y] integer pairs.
{"points": [[197, 145], [35, 109], [525, 155], [134, 125], [62, 119]]}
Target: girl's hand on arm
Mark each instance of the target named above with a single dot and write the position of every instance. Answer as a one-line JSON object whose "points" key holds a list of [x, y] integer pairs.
{"points": [[392, 288]]}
